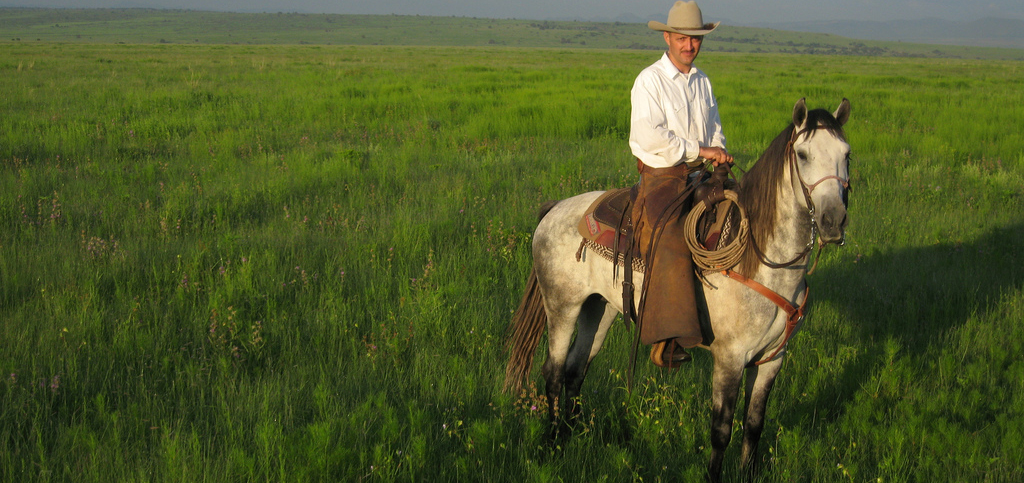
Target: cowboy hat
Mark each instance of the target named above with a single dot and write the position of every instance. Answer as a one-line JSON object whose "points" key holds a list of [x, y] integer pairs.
{"points": [[684, 18]]}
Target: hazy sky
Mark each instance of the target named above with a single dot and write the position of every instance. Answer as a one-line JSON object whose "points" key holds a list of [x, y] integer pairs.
{"points": [[737, 11]]}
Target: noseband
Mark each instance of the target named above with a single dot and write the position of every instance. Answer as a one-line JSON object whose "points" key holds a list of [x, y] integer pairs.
{"points": [[810, 187]]}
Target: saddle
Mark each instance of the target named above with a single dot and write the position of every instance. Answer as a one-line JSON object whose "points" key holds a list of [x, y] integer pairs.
{"points": [[610, 214]]}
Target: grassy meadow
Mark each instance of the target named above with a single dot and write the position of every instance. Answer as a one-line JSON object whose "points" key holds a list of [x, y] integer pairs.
{"points": [[297, 263]]}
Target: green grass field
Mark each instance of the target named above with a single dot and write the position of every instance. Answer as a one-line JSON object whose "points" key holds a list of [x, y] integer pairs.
{"points": [[297, 263]]}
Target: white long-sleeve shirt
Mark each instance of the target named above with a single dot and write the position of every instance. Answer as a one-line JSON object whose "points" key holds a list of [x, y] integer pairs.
{"points": [[673, 115]]}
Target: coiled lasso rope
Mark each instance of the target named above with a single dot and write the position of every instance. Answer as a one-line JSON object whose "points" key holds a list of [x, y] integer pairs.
{"points": [[722, 258]]}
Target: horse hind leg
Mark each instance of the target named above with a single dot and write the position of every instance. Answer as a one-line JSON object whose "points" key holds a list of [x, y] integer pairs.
{"points": [[569, 357], [595, 318], [561, 324]]}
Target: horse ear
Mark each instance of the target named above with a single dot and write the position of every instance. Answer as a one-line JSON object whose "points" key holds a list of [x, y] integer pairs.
{"points": [[800, 113], [842, 114]]}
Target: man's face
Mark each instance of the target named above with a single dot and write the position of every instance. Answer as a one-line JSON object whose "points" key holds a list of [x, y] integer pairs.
{"points": [[683, 49]]}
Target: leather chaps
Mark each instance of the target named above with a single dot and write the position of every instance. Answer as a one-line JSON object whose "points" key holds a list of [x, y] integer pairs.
{"points": [[668, 305]]}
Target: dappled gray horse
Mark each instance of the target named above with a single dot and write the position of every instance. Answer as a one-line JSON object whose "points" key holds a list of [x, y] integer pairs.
{"points": [[794, 194]]}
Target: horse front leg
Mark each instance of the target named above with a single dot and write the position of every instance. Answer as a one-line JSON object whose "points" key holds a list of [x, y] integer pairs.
{"points": [[760, 380], [725, 389]]}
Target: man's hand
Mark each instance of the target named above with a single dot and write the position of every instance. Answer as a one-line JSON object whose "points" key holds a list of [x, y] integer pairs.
{"points": [[716, 155]]}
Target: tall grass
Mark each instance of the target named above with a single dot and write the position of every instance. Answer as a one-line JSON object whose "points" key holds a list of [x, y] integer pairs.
{"points": [[297, 263]]}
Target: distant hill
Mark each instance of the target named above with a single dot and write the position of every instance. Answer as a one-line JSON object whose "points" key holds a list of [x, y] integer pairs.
{"points": [[987, 32], [144, 26]]}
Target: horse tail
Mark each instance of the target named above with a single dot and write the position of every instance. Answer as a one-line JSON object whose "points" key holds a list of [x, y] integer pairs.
{"points": [[528, 325]]}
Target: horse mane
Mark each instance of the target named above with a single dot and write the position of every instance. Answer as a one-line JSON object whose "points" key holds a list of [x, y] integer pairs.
{"points": [[759, 187]]}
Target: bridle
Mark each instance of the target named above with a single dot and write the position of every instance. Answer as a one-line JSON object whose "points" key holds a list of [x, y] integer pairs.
{"points": [[806, 189]]}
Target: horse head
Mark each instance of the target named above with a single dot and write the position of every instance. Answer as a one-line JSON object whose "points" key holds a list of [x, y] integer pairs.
{"points": [[821, 159]]}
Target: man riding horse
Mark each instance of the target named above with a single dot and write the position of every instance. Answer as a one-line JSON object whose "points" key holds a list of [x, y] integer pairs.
{"points": [[674, 129]]}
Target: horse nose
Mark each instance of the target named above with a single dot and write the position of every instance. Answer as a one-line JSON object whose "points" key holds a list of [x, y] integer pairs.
{"points": [[833, 222]]}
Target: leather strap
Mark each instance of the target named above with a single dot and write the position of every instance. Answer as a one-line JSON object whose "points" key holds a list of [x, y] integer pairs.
{"points": [[796, 314]]}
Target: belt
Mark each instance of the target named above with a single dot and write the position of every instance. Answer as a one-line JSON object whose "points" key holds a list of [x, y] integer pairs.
{"points": [[678, 171]]}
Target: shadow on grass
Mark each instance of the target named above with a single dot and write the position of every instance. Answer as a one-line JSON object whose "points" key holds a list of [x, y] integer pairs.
{"points": [[913, 297]]}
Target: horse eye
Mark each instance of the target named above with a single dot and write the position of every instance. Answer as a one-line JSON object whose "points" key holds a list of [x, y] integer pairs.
{"points": [[802, 156]]}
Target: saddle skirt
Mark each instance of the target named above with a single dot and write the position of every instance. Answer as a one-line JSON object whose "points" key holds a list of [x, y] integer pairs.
{"points": [[607, 215]]}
